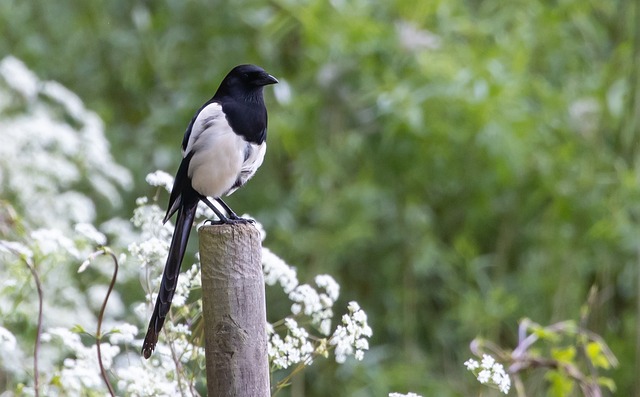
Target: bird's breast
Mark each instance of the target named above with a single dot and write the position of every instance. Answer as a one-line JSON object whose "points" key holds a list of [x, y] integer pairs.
{"points": [[222, 160]]}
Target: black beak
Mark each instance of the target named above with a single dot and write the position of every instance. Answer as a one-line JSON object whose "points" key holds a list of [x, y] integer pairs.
{"points": [[267, 79]]}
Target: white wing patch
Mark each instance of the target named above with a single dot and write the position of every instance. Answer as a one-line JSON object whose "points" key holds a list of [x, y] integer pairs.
{"points": [[222, 161], [208, 116]]}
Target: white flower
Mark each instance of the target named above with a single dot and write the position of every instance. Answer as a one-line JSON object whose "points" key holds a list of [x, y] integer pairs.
{"points": [[505, 384], [82, 371], [404, 395], [277, 271], [500, 378], [91, 233], [484, 376], [491, 372], [123, 333], [160, 178], [308, 297], [51, 241], [471, 364], [15, 247], [7, 340], [149, 219], [19, 77], [50, 146], [330, 286], [325, 326], [293, 349], [316, 305], [296, 308], [186, 283], [155, 377], [487, 361], [350, 337], [149, 252]]}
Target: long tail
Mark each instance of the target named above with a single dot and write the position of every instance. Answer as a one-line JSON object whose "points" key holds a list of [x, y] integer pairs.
{"points": [[186, 214]]}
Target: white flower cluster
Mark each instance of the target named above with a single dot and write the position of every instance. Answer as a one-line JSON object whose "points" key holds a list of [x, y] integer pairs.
{"points": [[91, 233], [404, 395], [154, 245], [490, 372], [317, 305], [306, 299], [54, 241], [7, 340], [293, 349], [188, 281], [161, 179], [14, 247], [157, 376], [152, 377], [50, 144], [351, 337], [148, 218], [152, 249], [123, 333], [48, 248], [277, 271], [81, 372]]}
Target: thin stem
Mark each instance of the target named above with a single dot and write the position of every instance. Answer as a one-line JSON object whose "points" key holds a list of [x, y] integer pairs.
{"points": [[638, 306], [176, 361], [103, 372], [583, 338], [284, 382], [36, 373], [519, 386]]}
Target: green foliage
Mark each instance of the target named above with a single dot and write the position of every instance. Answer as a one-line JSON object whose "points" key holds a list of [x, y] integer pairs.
{"points": [[457, 165], [569, 355], [559, 384], [596, 355]]}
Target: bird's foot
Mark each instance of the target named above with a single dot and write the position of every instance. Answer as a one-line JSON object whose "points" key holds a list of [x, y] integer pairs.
{"points": [[237, 219], [231, 220], [214, 222]]}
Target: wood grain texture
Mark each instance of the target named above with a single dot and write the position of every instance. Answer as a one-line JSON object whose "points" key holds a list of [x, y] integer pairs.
{"points": [[233, 298]]}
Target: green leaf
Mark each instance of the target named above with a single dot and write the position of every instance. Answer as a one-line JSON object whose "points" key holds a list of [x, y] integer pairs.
{"points": [[566, 355], [560, 384], [595, 353], [546, 334], [56, 381], [608, 383]]}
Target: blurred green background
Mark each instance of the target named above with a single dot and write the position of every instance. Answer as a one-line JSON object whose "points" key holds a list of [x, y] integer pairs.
{"points": [[455, 165]]}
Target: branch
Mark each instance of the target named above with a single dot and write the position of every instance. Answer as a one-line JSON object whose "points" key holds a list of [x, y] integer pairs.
{"points": [[36, 373], [103, 251]]}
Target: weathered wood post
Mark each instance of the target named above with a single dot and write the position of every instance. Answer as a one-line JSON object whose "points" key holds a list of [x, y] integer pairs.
{"points": [[234, 310]]}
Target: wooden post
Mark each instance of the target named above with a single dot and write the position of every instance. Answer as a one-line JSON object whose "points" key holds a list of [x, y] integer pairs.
{"points": [[234, 310]]}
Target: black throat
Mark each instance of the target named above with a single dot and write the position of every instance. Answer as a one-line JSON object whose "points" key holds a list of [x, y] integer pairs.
{"points": [[247, 116]]}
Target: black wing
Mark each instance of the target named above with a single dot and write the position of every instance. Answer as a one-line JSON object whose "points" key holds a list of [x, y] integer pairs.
{"points": [[181, 184]]}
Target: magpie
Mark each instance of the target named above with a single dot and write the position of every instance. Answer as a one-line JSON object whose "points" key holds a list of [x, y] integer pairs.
{"points": [[222, 148]]}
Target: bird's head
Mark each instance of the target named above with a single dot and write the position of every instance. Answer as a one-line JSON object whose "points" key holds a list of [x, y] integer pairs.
{"points": [[246, 81]]}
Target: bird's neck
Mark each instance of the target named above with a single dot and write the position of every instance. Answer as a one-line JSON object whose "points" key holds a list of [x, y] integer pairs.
{"points": [[254, 96]]}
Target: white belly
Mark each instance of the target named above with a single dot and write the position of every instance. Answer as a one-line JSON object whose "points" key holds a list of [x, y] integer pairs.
{"points": [[221, 157], [216, 164]]}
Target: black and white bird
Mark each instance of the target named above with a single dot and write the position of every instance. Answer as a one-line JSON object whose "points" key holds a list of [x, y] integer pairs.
{"points": [[222, 148]]}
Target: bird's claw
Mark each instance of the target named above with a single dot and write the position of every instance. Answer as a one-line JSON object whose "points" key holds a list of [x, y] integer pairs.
{"points": [[214, 222], [230, 221], [236, 219]]}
